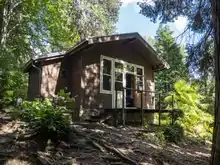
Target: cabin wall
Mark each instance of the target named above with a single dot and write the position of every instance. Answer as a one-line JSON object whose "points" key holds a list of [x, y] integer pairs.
{"points": [[54, 77], [33, 83], [90, 98]]}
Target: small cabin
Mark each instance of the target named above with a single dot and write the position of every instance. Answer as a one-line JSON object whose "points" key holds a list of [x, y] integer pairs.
{"points": [[103, 72]]}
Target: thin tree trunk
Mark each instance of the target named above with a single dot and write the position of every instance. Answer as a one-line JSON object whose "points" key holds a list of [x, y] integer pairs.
{"points": [[216, 132], [2, 5]]}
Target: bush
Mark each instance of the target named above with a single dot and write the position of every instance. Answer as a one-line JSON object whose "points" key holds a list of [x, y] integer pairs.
{"points": [[173, 133], [194, 117], [13, 86], [45, 119]]}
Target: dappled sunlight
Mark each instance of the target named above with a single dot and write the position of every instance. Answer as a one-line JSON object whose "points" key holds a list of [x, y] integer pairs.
{"points": [[125, 150], [50, 75], [17, 162], [90, 85], [103, 39]]}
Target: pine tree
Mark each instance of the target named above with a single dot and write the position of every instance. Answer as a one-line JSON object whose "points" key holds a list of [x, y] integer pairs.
{"points": [[172, 53]]}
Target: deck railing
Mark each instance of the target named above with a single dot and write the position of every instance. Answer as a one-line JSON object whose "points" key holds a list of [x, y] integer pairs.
{"points": [[158, 104]]}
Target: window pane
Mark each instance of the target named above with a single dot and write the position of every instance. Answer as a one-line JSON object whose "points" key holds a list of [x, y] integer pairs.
{"points": [[118, 85], [118, 76], [107, 66], [118, 65], [139, 78], [140, 85], [139, 71], [106, 82], [130, 68]]}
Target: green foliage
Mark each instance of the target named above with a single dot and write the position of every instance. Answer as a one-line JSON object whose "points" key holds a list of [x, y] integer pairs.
{"points": [[64, 98], [45, 119], [95, 17], [177, 114], [173, 133], [196, 121], [13, 86], [199, 25], [172, 53]]}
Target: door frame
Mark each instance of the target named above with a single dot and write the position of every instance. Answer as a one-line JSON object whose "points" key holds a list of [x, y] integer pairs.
{"points": [[124, 71], [124, 78]]}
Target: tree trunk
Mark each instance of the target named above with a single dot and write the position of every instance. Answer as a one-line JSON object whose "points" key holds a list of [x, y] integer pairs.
{"points": [[2, 5], [216, 132]]}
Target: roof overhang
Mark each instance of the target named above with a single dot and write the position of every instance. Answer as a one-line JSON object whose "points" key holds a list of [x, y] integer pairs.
{"points": [[141, 45], [48, 57]]}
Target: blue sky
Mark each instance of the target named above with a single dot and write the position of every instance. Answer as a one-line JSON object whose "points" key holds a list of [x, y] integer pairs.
{"points": [[131, 21]]}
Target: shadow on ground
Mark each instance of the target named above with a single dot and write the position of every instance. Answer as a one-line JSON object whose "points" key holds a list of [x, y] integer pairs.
{"points": [[94, 143]]}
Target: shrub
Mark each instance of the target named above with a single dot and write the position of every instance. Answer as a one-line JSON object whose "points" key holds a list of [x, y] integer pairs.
{"points": [[195, 121], [45, 119], [177, 114], [173, 133]]}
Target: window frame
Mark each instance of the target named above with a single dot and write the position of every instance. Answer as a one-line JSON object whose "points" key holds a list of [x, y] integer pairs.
{"points": [[102, 74], [123, 70], [138, 75]]}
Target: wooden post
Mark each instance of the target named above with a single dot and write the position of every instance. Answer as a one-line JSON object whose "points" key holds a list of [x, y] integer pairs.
{"points": [[123, 106], [142, 111], [115, 110], [116, 99], [159, 109]]}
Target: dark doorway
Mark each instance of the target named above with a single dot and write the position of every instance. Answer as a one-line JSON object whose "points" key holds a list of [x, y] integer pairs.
{"points": [[130, 84]]}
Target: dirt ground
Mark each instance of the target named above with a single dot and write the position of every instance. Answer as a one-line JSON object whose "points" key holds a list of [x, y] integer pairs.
{"points": [[97, 144]]}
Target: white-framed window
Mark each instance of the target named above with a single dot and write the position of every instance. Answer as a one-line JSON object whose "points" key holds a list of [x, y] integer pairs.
{"points": [[140, 78], [113, 71], [106, 75], [119, 76]]}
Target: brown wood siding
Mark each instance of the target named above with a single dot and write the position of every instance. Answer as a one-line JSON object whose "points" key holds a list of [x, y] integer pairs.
{"points": [[74, 80], [33, 83], [52, 78]]}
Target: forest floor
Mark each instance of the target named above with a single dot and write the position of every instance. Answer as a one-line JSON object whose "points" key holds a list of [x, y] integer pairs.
{"points": [[97, 144]]}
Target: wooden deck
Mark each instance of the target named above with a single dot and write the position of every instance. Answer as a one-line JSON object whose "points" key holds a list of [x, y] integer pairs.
{"points": [[141, 110], [134, 110], [116, 112]]}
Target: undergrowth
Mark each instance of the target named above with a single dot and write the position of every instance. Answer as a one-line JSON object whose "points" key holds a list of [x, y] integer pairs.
{"points": [[47, 119]]}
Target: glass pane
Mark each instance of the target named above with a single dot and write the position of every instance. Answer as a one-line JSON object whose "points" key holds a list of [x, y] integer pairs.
{"points": [[140, 85], [106, 82], [139, 78], [118, 65], [130, 68], [118, 85], [139, 71], [107, 66], [118, 76]]}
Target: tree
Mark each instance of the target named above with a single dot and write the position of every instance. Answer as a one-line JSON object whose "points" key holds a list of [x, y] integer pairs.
{"points": [[95, 17], [172, 53], [198, 30], [203, 18], [216, 133]]}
